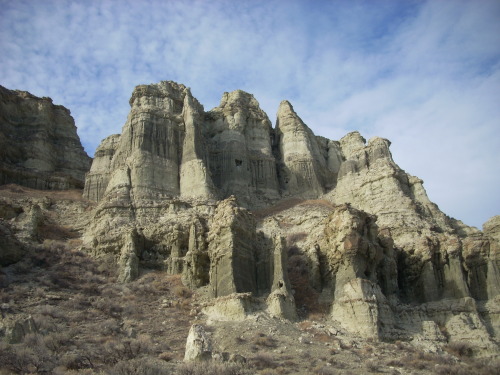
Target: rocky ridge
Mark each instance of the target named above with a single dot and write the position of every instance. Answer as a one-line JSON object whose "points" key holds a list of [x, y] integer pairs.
{"points": [[277, 223]]}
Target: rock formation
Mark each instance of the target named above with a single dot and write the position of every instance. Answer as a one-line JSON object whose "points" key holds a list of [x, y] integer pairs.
{"points": [[369, 242], [492, 227], [281, 222], [239, 136], [160, 153], [39, 146], [198, 345], [232, 250], [302, 167]]}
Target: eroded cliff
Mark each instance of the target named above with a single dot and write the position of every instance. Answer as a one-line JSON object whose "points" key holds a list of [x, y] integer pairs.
{"points": [[281, 222], [39, 146]]}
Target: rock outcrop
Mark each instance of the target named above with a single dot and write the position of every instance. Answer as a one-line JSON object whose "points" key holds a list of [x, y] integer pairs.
{"points": [[353, 253], [492, 227], [232, 250], [363, 240], [11, 249], [198, 345], [39, 146], [97, 179], [302, 167], [240, 138], [267, 225], [160, 153]]}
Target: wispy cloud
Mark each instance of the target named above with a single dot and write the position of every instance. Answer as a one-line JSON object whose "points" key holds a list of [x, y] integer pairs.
{"points": [[425, 74]]}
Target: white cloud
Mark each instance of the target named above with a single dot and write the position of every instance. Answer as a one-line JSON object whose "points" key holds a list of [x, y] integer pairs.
{"points": [[423, 74]]}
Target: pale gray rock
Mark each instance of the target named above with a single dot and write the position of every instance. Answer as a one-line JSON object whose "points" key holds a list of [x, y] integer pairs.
{"points": [[96, 181], [432, 245], [39, 145], [160, 153], [195, 179], [492, 227], [233, 307], [302, 167], [231, 250], [363, 309], [198, 344], [129, 258], [379, 254], [280, 301], [354, 253], [196, 261], [239, 136]]}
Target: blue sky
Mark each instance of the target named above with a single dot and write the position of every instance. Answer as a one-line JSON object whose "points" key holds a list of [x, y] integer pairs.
{"points": [[424, 74]]}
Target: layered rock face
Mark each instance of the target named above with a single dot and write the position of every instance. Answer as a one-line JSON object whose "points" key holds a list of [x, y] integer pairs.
{"points": [[302, 167], [438, 252], [171, 147], [39, 146], [263, 222], [239, 134], [349, 231], [159, 154]]}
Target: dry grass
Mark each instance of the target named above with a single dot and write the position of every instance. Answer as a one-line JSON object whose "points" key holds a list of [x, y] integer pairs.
{"points": [[287, 204], [317, 203], [460, 349], [265, 341], [213, 368], [17, 191], [87, 322], [49, 231], [277, 208], [263, 361]]}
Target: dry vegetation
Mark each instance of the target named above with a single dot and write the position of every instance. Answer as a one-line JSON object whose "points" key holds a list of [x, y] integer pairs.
{"points": [[287, 204], [298, 267], [76, 319], [14, 191], [84, 320]]}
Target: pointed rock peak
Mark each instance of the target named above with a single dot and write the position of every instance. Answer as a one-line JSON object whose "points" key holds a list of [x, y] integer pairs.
{"points": [[288, 119], [286, 110], [190, 101], [285, 106]]}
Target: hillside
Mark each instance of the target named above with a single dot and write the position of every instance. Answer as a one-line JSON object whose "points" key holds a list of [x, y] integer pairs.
{"points": [[214, 236]]}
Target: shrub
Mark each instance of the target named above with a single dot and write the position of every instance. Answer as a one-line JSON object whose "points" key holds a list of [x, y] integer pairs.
{"points": [[140, 366], [324, 370], [108, 306], [76, 361], [293, 238], [23, 359], [213, 368], [306, 297], [262, 361], [263, 340], [182, 292], [124, 349], [460, 349]]}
